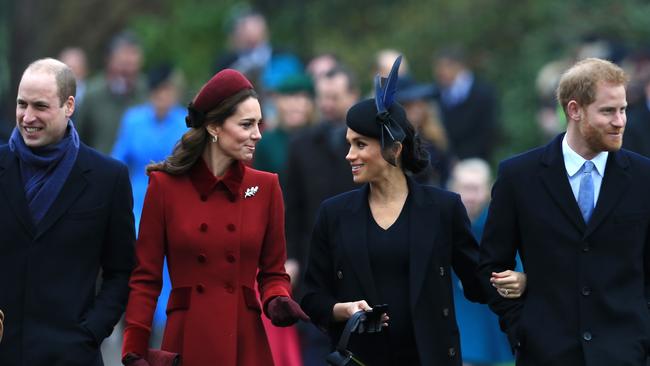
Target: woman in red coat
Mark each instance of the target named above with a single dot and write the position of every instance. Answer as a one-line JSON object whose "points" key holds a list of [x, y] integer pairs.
{"points": [[221, 225]]}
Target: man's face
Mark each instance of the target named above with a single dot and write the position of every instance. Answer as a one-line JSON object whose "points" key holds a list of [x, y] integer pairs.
{"points": [[40, 117], [474, 190], [602, 122], [334, 98], [125, 63]]}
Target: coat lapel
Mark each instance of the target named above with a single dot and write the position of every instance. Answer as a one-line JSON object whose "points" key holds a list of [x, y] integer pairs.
{"points": [[423, 229], [11, 184], [615, 182], [71, 189], [355, 241], [554, 177]]}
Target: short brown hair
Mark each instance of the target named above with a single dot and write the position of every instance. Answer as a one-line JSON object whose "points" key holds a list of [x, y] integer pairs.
{"points": [[65, 80], [579, 82]]}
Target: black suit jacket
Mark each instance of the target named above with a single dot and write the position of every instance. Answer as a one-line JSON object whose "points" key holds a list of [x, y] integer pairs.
{"points": [[439, 239], [472, 125], [316, 170], [588, 284], [48, 272]]}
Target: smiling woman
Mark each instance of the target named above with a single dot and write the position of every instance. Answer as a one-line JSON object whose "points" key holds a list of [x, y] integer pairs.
{"points": [[220, 224]]}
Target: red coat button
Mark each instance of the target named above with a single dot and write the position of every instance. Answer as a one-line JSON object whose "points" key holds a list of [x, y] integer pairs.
{"points": [[231, 227], [202, 258], [204, 197], [230, 258], [200, 288], [204, 227], [230, 289]]}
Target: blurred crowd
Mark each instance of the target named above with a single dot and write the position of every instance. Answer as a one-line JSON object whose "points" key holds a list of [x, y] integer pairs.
{"points": [[137, 115]]}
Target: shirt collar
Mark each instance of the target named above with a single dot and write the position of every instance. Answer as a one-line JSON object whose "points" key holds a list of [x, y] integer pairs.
{"points": [[205, 182], [573, 161]]}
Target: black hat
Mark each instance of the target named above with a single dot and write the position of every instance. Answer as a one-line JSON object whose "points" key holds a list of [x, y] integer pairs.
{"points": [[362, 118], [408, 90], [159, 75]]}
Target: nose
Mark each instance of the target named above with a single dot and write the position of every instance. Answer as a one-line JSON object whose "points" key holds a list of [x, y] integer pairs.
{"points": [[27, 114], [351, 155], [256, 135], [620, 120]]}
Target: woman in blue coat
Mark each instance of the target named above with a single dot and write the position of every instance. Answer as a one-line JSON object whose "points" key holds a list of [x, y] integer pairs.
{"points": [[393, 242]]}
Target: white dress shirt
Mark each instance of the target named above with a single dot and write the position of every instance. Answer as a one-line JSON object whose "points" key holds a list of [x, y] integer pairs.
{"points": [[573, 163]]}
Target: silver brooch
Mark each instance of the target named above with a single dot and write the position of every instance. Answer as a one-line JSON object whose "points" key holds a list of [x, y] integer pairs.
{"points": [[250, 192]]}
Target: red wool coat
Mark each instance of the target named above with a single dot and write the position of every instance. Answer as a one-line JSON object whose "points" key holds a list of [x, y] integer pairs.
{"points": [[216, 234]]}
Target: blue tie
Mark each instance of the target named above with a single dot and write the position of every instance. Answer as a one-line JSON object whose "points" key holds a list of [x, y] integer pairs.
{"points": [[586, 193]]}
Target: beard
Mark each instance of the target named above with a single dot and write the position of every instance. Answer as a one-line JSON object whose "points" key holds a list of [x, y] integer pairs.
{"points": [[599, 139]]}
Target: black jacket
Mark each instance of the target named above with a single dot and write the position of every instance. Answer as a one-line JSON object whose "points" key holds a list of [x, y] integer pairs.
{"points": [[439, 239], [48, 272], [588, 284]]}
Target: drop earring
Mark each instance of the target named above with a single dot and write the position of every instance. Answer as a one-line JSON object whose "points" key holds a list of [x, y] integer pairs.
{"points": [[215, 138]]}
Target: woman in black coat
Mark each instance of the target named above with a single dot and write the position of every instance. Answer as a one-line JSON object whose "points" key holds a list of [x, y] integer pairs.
{"points": [[392, 242]]}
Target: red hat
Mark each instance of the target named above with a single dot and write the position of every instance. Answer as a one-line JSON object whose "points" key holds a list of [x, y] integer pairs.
{"points": [[224, 84]]}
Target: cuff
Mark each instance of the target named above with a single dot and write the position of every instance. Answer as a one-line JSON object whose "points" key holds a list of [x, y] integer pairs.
{"points": [[136, 340]]}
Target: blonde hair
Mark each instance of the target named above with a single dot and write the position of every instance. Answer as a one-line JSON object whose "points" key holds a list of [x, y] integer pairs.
{"points": [[579, 82]]}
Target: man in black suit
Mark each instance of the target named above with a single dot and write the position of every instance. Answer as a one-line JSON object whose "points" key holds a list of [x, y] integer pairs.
{"points": [[578, 212], [65, 215], [467, 106]]}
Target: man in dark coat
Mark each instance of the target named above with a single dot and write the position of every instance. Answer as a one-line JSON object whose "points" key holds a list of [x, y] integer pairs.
{"points": [[65, 216], [467, 106], [578, 212]]}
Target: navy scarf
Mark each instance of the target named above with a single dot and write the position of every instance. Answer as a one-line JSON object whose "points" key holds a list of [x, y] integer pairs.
{"points": [[45, 169]]}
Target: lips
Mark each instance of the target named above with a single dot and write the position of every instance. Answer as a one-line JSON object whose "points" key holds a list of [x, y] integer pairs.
{"points": [[356, 168]]}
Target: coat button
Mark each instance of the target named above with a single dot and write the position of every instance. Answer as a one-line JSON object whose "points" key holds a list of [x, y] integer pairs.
{"points": [[200, 288], [203, 227], [202, 258], [442, 271], [339, 275], [586, 336], [229, 288], [451, 352], [445, 312], [204, 197], [586, 291], [230, 258], [230, 227]]}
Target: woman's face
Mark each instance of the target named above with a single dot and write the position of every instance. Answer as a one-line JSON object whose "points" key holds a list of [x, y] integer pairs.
{"points": [[239, 133], [365, 157]]}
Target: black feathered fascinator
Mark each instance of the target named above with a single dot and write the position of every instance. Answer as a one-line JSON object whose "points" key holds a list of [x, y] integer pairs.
{"points": [[381, 118]]}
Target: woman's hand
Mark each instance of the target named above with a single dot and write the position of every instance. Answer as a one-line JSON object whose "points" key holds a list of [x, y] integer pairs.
{"points": [[509, 284], [343, 311]]}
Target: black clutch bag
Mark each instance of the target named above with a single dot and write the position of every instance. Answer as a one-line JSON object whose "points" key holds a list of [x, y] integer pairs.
{"points": [[341, 356], [157, 357]]}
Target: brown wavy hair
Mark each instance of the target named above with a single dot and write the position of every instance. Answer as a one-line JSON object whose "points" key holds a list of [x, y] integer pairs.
{"points": [[191, 145]]}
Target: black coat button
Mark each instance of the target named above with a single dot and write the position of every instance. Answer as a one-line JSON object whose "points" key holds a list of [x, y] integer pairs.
{"points": [[442, 271], [586, 291], [445, 312], [339, 275], [586, 336]]}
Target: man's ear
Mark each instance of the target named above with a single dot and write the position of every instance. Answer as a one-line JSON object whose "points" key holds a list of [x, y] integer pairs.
{"points": [[574, 111], [69, 106]]}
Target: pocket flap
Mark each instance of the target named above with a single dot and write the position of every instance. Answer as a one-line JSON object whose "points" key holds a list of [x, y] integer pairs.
{"points": [[179, 299], [250, 298]]}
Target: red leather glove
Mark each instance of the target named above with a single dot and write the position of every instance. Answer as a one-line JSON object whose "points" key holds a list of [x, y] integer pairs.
{"points": [[131, 359], [284, 312]]}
